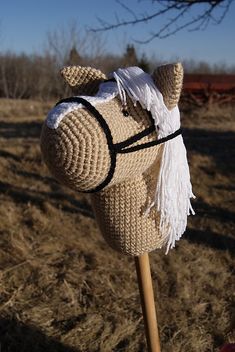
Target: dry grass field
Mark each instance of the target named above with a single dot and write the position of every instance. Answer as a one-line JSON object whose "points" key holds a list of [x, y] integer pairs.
{"points": [[64, 290]]}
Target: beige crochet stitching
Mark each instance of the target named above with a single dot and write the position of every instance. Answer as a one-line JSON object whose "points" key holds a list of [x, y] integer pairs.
{"points": [[77, 155]]}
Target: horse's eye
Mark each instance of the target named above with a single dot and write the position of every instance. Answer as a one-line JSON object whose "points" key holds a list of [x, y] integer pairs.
{"points": [[125, 112]]}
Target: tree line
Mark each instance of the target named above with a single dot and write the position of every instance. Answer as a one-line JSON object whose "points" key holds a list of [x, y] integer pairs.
{"points": [[24, 76]]}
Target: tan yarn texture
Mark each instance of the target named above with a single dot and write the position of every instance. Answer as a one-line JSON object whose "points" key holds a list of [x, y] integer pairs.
{"points": [[86, 80], [77, 155], [169, 80], [76, 152]]}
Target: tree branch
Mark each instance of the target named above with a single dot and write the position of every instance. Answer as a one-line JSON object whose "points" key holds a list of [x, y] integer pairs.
{"points": [[212, 11]]}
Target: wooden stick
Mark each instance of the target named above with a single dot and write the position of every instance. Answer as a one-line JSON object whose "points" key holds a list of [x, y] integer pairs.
{"points": [[147, 302]]}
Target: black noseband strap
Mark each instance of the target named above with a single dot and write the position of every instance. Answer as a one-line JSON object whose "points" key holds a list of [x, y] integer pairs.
{"points": [[121, 147]]}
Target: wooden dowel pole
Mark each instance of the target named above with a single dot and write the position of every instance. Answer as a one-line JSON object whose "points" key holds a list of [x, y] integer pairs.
{"points": [[147, 302]]}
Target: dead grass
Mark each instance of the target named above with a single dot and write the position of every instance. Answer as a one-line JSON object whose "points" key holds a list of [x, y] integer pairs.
{"points": [[63, 289], [23, 108]]}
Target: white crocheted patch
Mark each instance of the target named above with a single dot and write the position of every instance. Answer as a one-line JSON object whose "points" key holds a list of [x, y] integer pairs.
{"points": [[107, 91]]}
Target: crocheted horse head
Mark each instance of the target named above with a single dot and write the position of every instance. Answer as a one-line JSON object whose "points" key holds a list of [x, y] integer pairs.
{"points": [[120, 141]]}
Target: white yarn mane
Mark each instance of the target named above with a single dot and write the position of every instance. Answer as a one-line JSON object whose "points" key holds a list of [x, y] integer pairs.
{"points": [[173, 189]]}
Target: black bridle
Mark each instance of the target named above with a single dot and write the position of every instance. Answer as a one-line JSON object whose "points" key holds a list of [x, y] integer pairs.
{"points": [[121, 147]]}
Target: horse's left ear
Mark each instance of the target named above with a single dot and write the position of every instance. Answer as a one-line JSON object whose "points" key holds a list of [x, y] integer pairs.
{"points": [[84, 80], [169, 80]]}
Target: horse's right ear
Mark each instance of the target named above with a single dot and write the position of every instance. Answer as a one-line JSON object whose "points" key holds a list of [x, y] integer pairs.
{"points": [[169, 80], [85, 80]]}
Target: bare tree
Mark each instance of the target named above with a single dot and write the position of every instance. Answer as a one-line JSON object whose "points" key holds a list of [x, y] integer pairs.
{"points": [[61, 41], [180, 14], [64, 41]]}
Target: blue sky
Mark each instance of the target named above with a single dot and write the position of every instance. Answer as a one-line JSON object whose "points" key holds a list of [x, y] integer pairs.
{"points": [[24, 25]]}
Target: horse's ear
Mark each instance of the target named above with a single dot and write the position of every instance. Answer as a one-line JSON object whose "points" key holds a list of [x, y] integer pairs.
{"points": [[83, 80], [169, 80]]}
